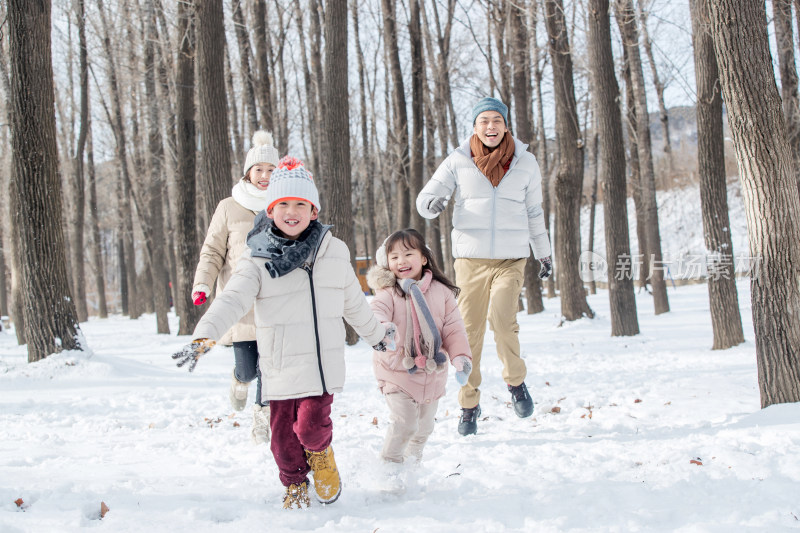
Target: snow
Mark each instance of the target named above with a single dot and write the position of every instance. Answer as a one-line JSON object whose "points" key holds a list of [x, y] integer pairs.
{"points": [[164, 451]]}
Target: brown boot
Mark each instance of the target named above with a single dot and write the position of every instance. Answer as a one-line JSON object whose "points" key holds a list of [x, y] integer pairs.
{"points": [[296, 496], [327, 482]]}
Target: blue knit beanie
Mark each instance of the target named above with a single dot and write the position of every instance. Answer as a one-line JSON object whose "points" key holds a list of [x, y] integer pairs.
{"points": [[488, 103]]}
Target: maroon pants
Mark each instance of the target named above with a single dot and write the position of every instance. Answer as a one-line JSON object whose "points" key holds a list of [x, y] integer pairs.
{"points": [[297, 425]]}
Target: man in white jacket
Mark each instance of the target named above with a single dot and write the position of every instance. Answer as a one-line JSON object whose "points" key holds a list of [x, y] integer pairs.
{"points": [[496, 186]]}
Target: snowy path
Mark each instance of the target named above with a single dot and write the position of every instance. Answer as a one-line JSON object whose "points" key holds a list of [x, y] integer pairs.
{"points": [[163, 449]]}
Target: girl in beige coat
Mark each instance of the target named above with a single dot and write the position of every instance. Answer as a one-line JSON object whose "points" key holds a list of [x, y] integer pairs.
{"points": [[224, 244]]}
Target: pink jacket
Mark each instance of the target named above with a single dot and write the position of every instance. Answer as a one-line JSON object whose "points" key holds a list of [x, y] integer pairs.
{"points": [[389, 305]]}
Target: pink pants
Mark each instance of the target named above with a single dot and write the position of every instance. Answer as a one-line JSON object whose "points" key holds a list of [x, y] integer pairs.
{"points": [[298, 425]]}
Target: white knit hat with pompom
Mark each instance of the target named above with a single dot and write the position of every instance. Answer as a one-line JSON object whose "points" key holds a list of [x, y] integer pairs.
{"points": [[263, 151]]}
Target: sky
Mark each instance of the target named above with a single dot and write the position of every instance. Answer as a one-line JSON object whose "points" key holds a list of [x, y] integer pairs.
{"points": [[654, 432]]}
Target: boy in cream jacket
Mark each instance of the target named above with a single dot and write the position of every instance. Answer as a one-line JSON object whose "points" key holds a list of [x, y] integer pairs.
{"points": [[299, 280]]}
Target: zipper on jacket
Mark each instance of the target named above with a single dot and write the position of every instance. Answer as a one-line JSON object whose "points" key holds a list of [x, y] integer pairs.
{"points": [[307, 268], [494, 210]]}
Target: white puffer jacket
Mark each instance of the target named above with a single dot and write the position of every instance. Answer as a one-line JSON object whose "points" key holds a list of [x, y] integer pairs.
{"points": [[286, 330], [491, 222]]}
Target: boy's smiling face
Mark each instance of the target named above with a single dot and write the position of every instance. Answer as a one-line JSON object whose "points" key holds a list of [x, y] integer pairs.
{"points": [[292, 216]]}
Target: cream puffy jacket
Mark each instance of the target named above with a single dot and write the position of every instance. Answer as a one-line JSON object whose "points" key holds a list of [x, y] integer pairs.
{"points": [[224, 244], [491, 222], [298, 319]]}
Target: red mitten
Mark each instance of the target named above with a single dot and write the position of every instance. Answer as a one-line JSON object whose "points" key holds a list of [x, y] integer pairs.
{"points": [[199, 297]]}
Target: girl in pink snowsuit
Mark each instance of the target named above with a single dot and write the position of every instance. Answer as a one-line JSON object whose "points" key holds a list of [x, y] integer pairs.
{"points": [[412, 292]]}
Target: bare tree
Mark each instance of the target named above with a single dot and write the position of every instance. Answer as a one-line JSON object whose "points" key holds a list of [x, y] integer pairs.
{"points": [[726, 322], [624, 320], [782, 14], [663, 116], [215, 175], [756, 120], [569, 177], [126, 250], [185, 185], [417, 120], [399, 135], [626, 18], [523, 112], [242, 39], [50, 318], [94, 223], [264, 91]]}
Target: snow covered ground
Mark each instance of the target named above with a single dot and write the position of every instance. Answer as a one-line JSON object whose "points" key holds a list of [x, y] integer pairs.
{"points": [[648, 433]]}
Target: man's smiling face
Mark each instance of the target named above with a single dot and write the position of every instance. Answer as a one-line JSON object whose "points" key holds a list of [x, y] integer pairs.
{"points": [[490, 128]]}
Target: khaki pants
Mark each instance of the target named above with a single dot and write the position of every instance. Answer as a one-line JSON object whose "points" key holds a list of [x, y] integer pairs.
{"points": [[490, 288], [411, 424]]}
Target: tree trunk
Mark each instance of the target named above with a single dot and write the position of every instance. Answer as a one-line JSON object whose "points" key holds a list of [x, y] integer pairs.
{"points": [[127, 254], [663, 116], [541, 141], [769, 189], [417, 121], [262, 66], [523, 113], [594, 160], [570, 167], [233, 113], [337, 128], [782, 13], [726, 322], [76, 183], [94, 222], [622, 302], [50, 316], [369, 206], [635, 176], [242, 39], [399, 136], [626, 18], [154, 226], [187, 249], [215, 175]]}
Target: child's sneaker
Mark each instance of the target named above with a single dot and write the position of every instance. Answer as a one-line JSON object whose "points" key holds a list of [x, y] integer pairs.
{"points": [[327, 482], [296, 496], [260, 431], [238, 394]]}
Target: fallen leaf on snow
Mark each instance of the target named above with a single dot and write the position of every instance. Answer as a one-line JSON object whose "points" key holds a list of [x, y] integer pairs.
{"points": [[555, 409], [236, 424], [637, 400], [103, 509], [19, 502], [696, 462], [375, 421]]}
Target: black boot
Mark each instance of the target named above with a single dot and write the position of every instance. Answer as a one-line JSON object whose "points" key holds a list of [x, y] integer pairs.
{"points": [[523, 404], [468, 423]]}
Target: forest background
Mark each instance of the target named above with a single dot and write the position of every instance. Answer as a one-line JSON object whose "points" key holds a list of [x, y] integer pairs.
{"points": [[153, 105]]}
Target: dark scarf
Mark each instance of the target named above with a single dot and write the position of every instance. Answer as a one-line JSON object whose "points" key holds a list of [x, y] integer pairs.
{"points": [[284, 255], [492, 163]]}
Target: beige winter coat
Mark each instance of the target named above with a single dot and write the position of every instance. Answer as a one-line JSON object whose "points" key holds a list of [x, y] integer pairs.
{"points": [[224, 244], [291, 364]]}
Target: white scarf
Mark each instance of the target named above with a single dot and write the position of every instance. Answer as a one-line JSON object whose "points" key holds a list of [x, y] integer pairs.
{"points": [[249, 196]]}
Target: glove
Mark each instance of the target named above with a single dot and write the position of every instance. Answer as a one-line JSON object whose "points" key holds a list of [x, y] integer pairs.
{"points": [[192, 352], [463, 369], [437, 204], [388, 340], [200, 293], [547, 267]]}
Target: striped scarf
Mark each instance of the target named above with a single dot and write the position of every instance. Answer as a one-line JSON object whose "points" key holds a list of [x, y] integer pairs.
{"points": [[423, 342]]}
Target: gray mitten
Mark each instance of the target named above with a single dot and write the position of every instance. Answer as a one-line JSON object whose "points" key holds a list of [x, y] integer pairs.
{"points": [[437, 204]]}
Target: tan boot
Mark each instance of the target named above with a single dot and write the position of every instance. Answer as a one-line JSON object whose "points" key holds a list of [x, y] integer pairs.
{"points": [[327, 482], [238, 393], [296, 496]]}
